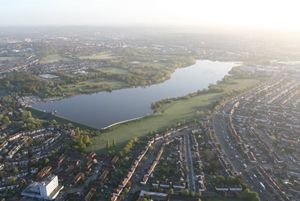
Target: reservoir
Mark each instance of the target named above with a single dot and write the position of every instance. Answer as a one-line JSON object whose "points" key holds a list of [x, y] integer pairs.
{"points": [[102, 109]]}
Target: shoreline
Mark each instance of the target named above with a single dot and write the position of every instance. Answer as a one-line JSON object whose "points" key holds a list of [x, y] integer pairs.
{"points": [[42, 100], [178, 111], [123, 122], [91, 127], [105, 127], [60, 119]]}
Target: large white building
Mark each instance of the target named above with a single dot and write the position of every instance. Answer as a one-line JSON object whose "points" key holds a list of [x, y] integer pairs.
{"points": [[45, 190]]}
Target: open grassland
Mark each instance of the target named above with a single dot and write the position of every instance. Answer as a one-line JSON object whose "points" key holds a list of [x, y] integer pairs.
{"points": [[240, 84], [90, 86], [9, 58], [98, 56], [51, 58], [114, 70], [174, 112]]}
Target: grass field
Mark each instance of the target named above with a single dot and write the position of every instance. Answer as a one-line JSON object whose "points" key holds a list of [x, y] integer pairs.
{"points": [[93, 87], [51, 58], [9, 58], [175, 112], [113, 70], [98, 56]]}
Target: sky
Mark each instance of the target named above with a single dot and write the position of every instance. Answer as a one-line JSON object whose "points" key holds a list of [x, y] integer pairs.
{"points": [[268, 14]]}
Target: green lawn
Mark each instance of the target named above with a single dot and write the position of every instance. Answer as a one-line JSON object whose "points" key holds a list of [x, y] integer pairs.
{"points": [[92, 87], [98, 56], [173, 113], [113, 70], [9, 58], [51, 58], [241, 84]]}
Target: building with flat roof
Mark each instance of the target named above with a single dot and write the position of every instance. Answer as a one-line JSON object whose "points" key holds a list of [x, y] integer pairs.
{"points": [[45, 190]]}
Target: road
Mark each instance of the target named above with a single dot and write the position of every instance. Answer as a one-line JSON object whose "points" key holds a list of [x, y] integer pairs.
{"points": [[235, 158], [141, 170], [189, 163]]}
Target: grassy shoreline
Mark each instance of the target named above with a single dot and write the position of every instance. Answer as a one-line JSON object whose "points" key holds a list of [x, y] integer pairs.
{"points": [[89, 86], [168, 114], [181, 110]]}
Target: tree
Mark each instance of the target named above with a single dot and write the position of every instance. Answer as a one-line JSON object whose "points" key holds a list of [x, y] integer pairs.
{"points": [[107, 144], [248, 195], [220, 179], [86, 140], [185, 192], [6, 120], [26, 115], [2, 173], [53, 122], [29, 141], [230, 180], [15, 170], [171, 191], [12, 180], [46, 161], [82, 145], [77, 133]]}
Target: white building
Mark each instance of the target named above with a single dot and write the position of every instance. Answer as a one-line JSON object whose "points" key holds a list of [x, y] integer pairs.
{"points": [[45, 190]]}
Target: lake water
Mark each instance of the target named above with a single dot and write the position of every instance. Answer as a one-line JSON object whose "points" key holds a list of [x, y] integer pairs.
{"points": [[102, 109]]}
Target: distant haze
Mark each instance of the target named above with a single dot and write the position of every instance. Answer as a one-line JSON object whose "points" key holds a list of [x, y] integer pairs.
{"points": [[269, 14]]}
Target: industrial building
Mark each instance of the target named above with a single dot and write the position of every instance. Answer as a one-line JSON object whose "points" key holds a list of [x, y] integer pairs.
{"points": [[45, 190]]}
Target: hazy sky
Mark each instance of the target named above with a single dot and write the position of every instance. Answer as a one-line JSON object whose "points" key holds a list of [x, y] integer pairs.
{"points": [[282, 14]]}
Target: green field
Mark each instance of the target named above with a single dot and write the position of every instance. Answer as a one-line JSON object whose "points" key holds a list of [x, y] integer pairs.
{"points": [[98, 56], [113, 70], [51, 58], [176, 111], [7, 58], [89, 86]]}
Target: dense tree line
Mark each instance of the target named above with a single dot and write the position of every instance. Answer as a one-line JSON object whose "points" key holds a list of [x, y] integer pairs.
{"points": [[146, 73], [24, 83], [13, 115], [81, 139]]}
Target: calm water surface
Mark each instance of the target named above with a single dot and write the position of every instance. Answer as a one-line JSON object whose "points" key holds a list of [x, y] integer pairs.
{"points": [[102, 109]]}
